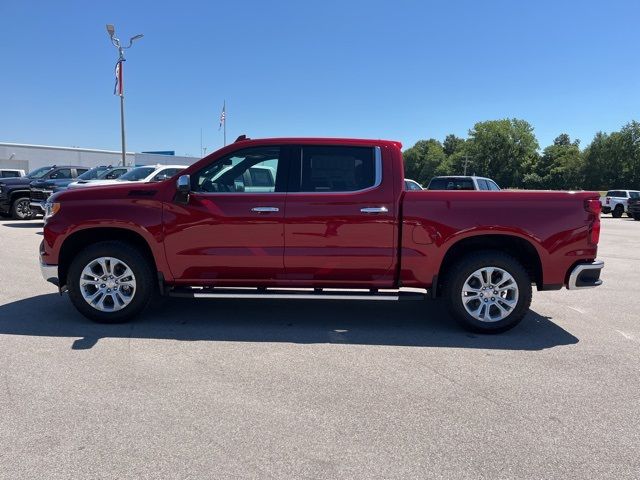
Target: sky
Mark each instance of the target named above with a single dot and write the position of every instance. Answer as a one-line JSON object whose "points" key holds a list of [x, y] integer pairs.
{"points": [[401, 70]]}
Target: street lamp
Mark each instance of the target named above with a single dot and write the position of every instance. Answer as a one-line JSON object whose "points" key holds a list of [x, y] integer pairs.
{"points": [[119, 85]]}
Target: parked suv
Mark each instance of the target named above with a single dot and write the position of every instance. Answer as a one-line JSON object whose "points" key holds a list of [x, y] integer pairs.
{"points": [[462, 183], [15, 192], [615, 202], [633, 207]]}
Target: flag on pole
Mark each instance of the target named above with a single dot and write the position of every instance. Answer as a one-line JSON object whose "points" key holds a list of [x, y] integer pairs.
{"points": [[118, 88], [222, 116]]}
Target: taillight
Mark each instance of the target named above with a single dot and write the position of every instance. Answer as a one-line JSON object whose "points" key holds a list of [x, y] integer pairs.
{"points": [[608, 199], [594, 208]]}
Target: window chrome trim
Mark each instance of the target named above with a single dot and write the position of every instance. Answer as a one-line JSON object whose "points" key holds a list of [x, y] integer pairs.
{"points": [[377, 165]]}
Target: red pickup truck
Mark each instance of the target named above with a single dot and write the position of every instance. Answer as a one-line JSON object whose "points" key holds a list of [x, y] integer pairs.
{"points": [[314, 218]]}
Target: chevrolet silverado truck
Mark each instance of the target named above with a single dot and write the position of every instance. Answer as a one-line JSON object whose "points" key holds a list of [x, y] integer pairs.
{"points": [[336, 224]]}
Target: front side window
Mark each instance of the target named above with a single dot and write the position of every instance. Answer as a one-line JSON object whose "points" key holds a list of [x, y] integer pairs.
{"points": [[634, 194], [252, 170], [62, 173], [9, 174], [493, 186], [482, 184], [337, 169]]}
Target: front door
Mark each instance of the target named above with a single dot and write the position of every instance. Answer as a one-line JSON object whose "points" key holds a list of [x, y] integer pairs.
{"points": [[231, 231], [340, 223]]}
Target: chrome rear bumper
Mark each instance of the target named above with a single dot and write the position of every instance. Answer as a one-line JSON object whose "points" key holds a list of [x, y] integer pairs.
{"points": [[585, 275]]}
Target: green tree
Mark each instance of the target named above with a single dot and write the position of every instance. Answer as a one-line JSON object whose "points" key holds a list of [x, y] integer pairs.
{"points": [[559, 167], [504, 150], [422, 160]]}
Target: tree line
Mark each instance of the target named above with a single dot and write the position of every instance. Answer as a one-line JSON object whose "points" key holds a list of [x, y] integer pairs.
{"points": [[508, 152]]}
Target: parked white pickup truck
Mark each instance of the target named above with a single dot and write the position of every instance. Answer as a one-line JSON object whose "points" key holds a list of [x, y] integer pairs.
{"points": [[615, 201]]}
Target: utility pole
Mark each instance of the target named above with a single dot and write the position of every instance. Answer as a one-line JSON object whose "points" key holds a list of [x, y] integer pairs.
{"points": [[119, 88], [466, 163]]}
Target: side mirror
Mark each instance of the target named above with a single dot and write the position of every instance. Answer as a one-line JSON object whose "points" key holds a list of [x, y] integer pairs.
{"points": [[183, 184]]}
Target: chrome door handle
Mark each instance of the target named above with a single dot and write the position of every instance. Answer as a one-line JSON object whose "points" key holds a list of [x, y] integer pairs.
{"points": [[265, 209], [374, 210]]}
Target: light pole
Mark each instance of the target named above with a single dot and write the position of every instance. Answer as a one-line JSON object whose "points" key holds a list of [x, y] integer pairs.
{"points": [[119, 89]]}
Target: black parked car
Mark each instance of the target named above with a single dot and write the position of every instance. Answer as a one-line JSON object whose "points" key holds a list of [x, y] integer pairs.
{"points": [[41, 190], [15, 192], [633, 208]]}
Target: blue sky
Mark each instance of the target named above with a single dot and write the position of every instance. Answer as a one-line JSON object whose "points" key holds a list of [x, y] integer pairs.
{"points": [[403, 70]]}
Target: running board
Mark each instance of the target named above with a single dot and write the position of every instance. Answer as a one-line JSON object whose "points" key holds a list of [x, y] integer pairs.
{"points": [[299, 294]]}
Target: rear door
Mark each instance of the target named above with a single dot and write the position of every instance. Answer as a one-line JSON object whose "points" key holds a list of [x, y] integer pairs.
{"points": [[340, 221]]}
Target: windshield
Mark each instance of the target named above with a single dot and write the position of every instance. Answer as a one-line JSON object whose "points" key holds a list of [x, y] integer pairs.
{"points": [[137, 174], [92, 174], [39, 172]]}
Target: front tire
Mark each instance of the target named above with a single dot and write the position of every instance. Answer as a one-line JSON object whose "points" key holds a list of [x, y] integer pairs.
{"points": [[488, 291], [21, 209], [110, 282], [636, 216]]}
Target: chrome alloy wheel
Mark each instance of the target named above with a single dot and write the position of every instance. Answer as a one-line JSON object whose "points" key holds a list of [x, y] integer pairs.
{"points": [[107, 284], [490, 294]]}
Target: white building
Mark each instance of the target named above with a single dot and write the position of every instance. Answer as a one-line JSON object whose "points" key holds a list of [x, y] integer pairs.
{"points": [[29, 157]]}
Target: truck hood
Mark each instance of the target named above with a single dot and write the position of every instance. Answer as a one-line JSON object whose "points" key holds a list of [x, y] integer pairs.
{"points": [[95, 183], [17, 181], [108, 191]]}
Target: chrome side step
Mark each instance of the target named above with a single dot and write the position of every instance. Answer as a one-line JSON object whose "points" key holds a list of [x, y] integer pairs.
{"points": [[299, 294]]}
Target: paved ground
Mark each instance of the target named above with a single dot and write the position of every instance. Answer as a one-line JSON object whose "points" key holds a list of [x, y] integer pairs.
{"points": [[230, 389]]}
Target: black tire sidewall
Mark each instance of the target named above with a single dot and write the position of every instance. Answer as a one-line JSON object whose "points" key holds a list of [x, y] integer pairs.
{"points": [[133, 258], [14, 209], [469, 264], [617, 212]]}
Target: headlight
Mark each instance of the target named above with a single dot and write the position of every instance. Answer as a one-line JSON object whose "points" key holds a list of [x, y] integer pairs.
{"points": [[50, 209]]}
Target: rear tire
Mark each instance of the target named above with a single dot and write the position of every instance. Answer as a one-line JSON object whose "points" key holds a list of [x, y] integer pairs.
{"points": [[488, 291], [636, 216], [21, 209], [110, 282], [618, 211]]}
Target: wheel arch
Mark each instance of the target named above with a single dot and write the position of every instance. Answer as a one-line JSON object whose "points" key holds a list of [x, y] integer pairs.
{"points": [[88, 236], [521, 249]]}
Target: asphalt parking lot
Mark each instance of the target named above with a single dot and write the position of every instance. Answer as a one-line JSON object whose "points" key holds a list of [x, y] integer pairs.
{"points": [[270, 389]]}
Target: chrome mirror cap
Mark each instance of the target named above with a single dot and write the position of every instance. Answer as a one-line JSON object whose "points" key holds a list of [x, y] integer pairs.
{"points": [[183, 183]]}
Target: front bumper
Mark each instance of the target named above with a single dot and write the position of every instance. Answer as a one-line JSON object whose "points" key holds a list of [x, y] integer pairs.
{"points": [[585, 275], [37, 207], [49, 273]]}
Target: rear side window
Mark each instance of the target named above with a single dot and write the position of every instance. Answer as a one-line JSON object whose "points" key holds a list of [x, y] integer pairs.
{"points": [[337, 169], [80, 171], [8, 174]]}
